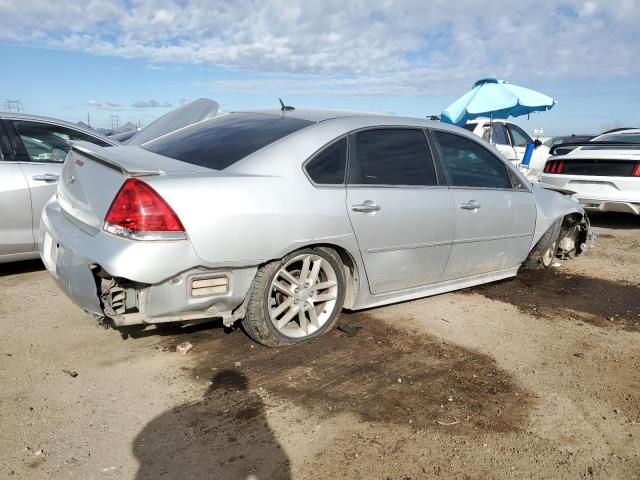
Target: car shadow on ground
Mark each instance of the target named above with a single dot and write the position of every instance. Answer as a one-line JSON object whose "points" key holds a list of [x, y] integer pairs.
{"points": [[26, 266], [614, 220], [225, 434]]}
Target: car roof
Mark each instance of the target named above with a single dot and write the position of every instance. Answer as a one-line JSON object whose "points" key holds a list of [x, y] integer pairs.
{"points": [[54, 121], [349, 116], [311, 114], [628, 131]]}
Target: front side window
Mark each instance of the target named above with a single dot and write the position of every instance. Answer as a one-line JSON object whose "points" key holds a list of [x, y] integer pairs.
{"points": [[469, 164], [44, 142], [222, 141], [328, 167], [519, 136], [391, 156]]}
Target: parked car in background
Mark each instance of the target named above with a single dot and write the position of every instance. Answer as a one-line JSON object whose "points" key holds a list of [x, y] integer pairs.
{"points": [[282, 218], [32, 151], [627, 135], [508, 138], [553, 141], [603, 173]]}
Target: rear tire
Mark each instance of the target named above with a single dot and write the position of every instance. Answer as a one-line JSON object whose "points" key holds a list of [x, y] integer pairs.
{"points": [[296, 299]]}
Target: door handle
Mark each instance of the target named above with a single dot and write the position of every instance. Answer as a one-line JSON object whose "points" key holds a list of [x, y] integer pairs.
{"points": [[368, 206], [470, 205], [47, 177]]}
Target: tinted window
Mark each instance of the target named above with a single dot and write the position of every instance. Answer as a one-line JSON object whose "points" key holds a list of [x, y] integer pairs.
{"points": [[470, 126], [468, 164], [328, 166], [519, 136], [49, 143], [620, 137], [222, 141], [392, 157]]}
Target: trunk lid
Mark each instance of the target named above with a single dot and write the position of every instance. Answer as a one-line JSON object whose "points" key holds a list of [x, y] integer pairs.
{"points": [[92, 176]]}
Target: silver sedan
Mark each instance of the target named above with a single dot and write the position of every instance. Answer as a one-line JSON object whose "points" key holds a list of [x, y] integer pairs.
{"points": [[281, 219]]}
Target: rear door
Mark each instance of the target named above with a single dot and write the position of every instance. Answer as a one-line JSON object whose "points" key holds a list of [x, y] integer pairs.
{"points": [[402, 216], [16, 235], [495, 212]]}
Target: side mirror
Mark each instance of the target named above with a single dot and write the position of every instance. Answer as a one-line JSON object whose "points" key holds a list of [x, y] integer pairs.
{"points": [[537, 143]]}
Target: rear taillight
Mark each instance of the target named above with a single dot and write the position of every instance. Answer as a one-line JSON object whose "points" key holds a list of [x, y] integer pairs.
{"points": [[138, 212], [554, 166], [636, 170]]}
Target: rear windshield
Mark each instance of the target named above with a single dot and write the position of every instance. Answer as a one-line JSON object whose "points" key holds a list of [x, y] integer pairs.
{"points": [[620, 137], [222, 141]]}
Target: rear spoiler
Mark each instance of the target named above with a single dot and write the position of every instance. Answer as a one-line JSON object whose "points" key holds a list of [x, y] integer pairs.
{"points": [[107, 162], [599, 145]]}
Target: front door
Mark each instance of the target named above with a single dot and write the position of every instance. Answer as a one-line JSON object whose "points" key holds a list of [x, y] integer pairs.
{"points": [[500, 140], [15, 202], [519, 139], [403, 219], [42, 148], [495, 219]]}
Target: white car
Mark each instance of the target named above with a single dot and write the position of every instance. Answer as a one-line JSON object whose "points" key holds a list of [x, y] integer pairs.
{"points": [[510, 140], [604, 173]]}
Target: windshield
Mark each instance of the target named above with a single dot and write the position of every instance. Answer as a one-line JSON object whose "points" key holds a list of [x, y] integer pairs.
{"points": [[221, 141]]}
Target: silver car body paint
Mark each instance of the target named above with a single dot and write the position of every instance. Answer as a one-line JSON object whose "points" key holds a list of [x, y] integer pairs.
{"points": [[263, 207]]}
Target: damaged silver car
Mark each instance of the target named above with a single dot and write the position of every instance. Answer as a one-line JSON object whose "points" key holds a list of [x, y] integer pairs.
{"points": [[280, 219]]}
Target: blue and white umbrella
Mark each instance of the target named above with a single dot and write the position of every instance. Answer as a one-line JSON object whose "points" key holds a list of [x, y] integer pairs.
{"points": [[495, 98]]}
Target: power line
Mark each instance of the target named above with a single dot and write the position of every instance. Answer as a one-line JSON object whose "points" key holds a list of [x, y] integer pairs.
{"points": [[13, 105]]}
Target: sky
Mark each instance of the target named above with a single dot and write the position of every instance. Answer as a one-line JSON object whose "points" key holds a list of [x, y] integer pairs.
{"points": [[139, 58]]}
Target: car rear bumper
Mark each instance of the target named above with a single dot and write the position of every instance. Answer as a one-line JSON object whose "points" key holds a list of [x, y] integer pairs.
{"points": [[137, 282], [598, 193], [600, 205]]}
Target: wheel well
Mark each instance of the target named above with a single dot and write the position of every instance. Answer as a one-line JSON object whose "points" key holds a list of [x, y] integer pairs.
{"points": [[352, 276]]}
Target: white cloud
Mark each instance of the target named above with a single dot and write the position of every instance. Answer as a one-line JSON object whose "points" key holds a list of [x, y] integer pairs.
{"points": [[111, 103], [356, 47], [94, 103], [150, 104]]}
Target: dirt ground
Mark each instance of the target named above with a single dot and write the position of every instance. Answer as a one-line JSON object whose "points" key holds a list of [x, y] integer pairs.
{"points": [[534, 377]]}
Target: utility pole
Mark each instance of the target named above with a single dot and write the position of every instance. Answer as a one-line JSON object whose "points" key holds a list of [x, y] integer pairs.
{"points": [[88, 120], [13, 105], [115, 122]]}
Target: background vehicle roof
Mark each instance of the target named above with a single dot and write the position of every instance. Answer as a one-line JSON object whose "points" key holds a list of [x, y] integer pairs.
{"points": [[55, 121]]}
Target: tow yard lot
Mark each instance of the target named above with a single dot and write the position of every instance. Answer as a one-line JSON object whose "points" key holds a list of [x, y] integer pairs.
{"points": [[535, 377]]}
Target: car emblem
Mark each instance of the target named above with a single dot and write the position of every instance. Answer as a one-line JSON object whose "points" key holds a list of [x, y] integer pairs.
{"points": [[79, 162], [71, 180]]}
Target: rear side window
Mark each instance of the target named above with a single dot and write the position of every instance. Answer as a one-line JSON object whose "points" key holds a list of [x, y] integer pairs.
{"points": [[468, 164], [221, 141], [391, 157], [328, 166]]}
